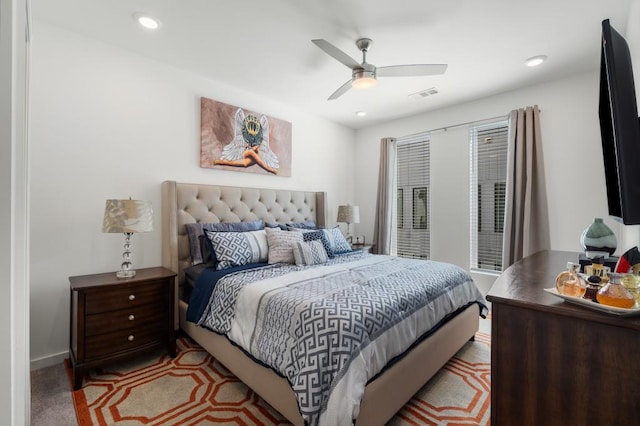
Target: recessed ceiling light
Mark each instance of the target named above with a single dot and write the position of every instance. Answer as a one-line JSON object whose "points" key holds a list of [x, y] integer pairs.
{"points": [[361, 113], [534, 61], [146, 21]]}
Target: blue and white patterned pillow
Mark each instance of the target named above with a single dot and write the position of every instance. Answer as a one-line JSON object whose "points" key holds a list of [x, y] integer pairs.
{"points": [[309, 224], [310, 253], [337, 242], [239, 248], [196, 230], [319, 235]]}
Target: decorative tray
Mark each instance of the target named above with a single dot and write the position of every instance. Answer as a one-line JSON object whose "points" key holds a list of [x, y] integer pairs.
{"points": [[613, 310]]}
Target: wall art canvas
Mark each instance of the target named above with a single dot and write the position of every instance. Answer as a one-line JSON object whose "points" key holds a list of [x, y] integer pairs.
{"points": [[234, 138]]}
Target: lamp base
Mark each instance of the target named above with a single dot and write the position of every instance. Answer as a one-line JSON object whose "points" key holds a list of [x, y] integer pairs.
{"points": [[126, 274], [125, 269]]}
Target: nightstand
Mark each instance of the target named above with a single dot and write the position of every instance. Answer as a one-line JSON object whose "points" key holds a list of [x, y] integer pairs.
{"points": [[363, 247], [114, 318]]}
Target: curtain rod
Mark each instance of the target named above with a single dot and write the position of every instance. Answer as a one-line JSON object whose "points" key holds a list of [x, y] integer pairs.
{"points": [[486, 120], [453, 126]]}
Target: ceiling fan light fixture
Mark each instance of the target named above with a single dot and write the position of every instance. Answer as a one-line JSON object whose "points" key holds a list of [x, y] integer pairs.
{"points": [[364, 80]]}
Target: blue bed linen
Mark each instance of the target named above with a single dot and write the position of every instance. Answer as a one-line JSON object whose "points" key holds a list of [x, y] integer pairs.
{"points": [[204, 286]]}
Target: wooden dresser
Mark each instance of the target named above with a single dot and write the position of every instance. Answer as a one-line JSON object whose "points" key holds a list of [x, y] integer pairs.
{"points": [[555, 363], [113, 318]]}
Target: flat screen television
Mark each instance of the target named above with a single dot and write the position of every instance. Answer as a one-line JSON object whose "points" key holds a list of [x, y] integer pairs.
{"points": [[619, 127]]}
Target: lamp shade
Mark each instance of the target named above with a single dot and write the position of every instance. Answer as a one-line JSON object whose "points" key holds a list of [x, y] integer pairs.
{"points": [[348, 214], [127, 216]]}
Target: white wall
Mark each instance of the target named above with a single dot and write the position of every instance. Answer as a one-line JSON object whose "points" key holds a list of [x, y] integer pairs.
{"points": [[107, 123], [14, 367], [572, 156]]}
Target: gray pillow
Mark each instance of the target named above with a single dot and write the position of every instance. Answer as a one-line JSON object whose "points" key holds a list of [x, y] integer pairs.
{"points": [[281, 245]]}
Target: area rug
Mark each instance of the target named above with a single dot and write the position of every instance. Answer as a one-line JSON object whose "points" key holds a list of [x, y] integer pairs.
{"points": [[194, 389]]}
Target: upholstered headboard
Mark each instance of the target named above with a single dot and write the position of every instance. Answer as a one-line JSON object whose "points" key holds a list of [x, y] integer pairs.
{"points": [[191, 203]]}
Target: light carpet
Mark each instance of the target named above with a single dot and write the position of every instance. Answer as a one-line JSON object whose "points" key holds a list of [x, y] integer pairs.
{"points": [[194, 389]]}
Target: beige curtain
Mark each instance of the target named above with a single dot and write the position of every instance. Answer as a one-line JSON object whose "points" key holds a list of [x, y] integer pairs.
{"points": [[382, 233], [526, 227]]}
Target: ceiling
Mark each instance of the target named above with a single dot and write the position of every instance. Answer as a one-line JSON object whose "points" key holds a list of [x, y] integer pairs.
{"points": [[264, 47]]}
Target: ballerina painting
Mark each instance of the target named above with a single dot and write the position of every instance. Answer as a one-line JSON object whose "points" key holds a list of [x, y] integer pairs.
{"points": [[237, 140]]}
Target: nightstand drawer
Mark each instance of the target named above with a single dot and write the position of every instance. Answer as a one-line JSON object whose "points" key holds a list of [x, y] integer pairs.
{"points": [[125, 296], [125, 318], [122, 340]]}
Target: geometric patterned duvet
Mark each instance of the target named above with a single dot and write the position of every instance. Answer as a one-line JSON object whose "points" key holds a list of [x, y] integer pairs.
{"points": [[330, 328]]}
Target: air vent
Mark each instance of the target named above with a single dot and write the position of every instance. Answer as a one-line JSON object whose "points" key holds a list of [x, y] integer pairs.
{"points": [[424, 93]]}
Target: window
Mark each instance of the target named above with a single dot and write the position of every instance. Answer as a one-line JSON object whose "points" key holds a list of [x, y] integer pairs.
{"points": [[412, 225], [420, 207], [488, 145]]}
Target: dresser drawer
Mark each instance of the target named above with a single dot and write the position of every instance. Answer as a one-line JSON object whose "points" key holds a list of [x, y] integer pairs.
{"points": [[126, 339], [133, 317], [125, 296]]}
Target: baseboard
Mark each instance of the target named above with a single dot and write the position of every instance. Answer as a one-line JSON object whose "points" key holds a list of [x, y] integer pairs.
{"points": [[48, 361]]}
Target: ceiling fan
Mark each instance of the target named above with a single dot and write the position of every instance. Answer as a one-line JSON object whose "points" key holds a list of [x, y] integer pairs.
{"points": [[364, 75]]}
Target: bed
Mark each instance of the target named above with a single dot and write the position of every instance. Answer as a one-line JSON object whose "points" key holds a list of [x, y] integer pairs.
{"points": [[387, 390]]}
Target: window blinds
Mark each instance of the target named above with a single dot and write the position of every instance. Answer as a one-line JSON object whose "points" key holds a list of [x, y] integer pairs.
{"points": [[488, 146], [413, 197]]}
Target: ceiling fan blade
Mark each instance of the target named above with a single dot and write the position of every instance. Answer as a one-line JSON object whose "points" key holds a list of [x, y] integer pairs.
{"points": [[341, 90], [336, 53], [411, 70]]}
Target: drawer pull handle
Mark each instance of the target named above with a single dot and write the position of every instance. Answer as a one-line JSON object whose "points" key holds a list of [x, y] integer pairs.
{"points": [[130, 338], [131, 317], [132, 297]]}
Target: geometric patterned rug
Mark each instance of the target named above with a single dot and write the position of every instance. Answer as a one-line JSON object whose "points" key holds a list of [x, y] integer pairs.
{"points": [[194, 389], [459, 394]]}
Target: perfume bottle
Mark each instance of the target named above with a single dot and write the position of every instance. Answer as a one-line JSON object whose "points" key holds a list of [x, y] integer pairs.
{"points": [[569, 282], [631, 281], [615, 294], [594, 283]]}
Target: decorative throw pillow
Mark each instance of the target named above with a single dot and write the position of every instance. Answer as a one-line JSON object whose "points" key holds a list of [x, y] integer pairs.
{"points": [[309, 253], [195, 230], [239, 248], [337, 242], [281, 245], [319, 235]]}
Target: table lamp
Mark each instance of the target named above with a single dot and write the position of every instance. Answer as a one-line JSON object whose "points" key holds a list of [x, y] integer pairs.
{"points": [[127, 217], [348, 214]]}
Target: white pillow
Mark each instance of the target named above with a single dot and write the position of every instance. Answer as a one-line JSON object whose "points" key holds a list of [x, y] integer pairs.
{"points": [[238, 248], [310, 253], [281, 245]]}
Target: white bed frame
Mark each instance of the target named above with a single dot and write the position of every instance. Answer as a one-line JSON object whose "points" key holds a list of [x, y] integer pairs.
{"points": [[185, 203]]}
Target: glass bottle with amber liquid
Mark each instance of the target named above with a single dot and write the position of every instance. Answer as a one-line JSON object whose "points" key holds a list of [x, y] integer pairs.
{"points": [[569, 282], [615, 294]]}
